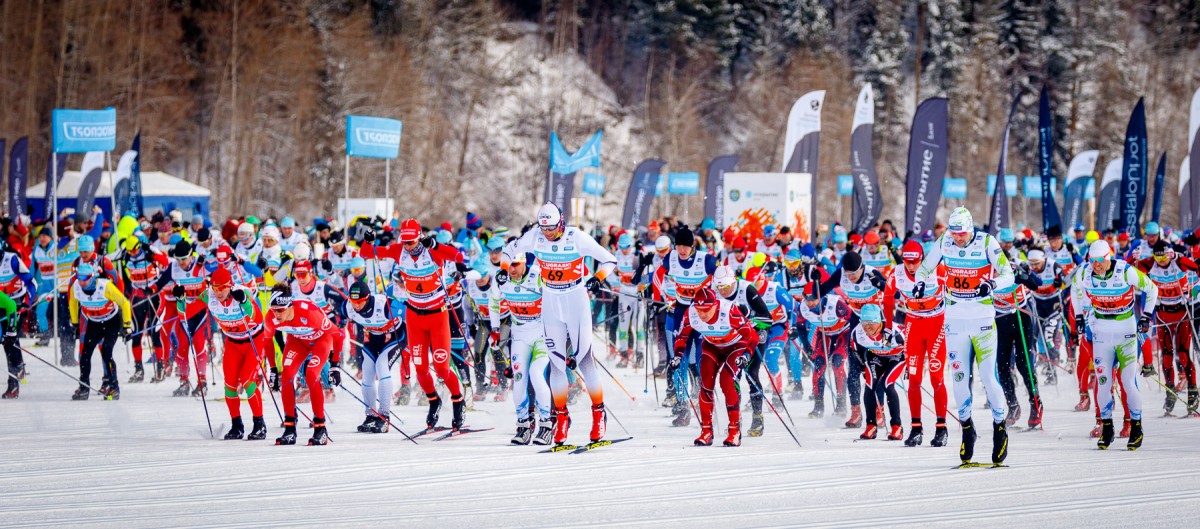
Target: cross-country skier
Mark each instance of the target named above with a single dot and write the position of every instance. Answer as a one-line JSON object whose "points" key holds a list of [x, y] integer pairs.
{"points": [[566, 311], [421, 261], [184, 316], [923, 313], [726, 338], [688, 271], [881, 351], [1015, 342], [238, 314], [975, 266], [102, 312], [373, 313], [17, 283], [312, 340], [750, 303], [142, 267], [521, 295], [1169, 272], [1105, 293], [829, 315], [1048, 307]]}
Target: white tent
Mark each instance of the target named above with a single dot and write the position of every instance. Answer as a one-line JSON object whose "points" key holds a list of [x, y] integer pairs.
{"points": [[154, 184]]}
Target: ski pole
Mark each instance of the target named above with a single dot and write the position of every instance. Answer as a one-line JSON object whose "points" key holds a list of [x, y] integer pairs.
{"points": [[614, 378], [394, 416], [606, 409], [389, 421], [262, 371], [196, 364], [56, 368], [776, 389], [776, 412]]}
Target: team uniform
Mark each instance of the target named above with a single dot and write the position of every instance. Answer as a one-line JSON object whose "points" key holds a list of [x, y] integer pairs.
{"points": [[830, 319], [883, 358], [104, 313], [1107, 302], [184, 320], [529, 357], [312, 340], [923, 309], [381, 340], [142, 268], [725, 340], [566, 313], [245, 342], [972, 272], [1175, 330]]}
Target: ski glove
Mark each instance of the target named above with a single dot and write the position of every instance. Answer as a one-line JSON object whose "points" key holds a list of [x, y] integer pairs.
{"points": [[335, 376], [273, 379], [918, 290], [675, 361], [593, 285], [238, 295], [1143, 324], [814, 274], [1058, 283], [508, 372], [495, 337], [427, 241], [1147, 371], [125, 334], [571, 362], [177, 290], [327, 266], [369, 236], [985, 288], [1082, 327], [501, 277], [878, 282], [742, 360]]}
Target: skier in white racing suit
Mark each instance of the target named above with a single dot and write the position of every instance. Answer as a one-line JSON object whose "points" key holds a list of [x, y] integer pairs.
{"points": [[1103, 295], [566, 310], [975, 266]]}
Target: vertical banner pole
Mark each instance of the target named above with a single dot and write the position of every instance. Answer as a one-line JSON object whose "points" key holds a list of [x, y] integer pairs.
{"points": [[387, 181], [53, 216], [346, 205]]}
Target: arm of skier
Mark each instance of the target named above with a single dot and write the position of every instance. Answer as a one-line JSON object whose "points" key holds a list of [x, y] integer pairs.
{"points": [[1003, 276]]}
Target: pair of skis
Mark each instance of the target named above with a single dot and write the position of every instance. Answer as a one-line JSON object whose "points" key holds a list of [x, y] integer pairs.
{"points": [[450, 432], [579, 449]]}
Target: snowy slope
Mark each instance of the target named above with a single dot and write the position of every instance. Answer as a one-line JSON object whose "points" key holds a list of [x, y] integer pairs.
{"points": [[147, 461]]}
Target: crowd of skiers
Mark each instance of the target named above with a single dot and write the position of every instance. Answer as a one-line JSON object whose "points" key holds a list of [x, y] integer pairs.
{"points": [[855, 313]]}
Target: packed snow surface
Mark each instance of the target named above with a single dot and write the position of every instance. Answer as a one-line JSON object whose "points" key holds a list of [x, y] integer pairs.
{"points": [[147, 461]]}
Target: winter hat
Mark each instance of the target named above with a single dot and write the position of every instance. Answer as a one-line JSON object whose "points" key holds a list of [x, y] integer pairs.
{"points": [[808, 251], [221, 277], [625, 240], [768, 230], [684, 237], [287, 222], [473, 221], [708, 224], [443, 237], [870, 313], [446, 226], [359, 290], [86, 243], [871, 238], [912, 251], [1006, 235], [495, 243], [851, 262]]}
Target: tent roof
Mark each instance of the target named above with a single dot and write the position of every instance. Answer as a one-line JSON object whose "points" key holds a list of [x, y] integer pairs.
{"points": [[154, 184]]}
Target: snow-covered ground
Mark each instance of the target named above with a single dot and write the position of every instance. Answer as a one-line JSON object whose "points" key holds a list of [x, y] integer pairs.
{"points": [[147, 461]]}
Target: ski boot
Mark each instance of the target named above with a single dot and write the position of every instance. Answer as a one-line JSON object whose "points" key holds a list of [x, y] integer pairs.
{"points": [[524, 433], [839, 407], [1106, 434], [1085, 402], [1193, 406], [501, 396], [236, 431], [138, 373], [999, 443], [756, 418], [160, 373], [670, 401], [1014, 414], [897, 433], [1095, 433], [735, 431], [289, 432], [380, 425], [113, 393], [458, 408], [915, 435], [1125, 429], [599, 422], [545, 433], [320, 437], [404, 396], [302, 396], [431, 417], [818, 410], [796, 391], [573, 393], [940, 435], [201, 389], [706, 436], [81, 394], [183, 390], [1035, 414], [966, 450], [856, 418], [1169, 405], [1135, 435], [683, 416], [367, 423], [869, 433], [660, 370], [258, 430], [14, 389], [562, 423]]}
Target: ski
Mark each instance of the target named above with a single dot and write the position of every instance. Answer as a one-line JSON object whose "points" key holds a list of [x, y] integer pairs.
{"points": [[598, 444], [459, 432], [427, 431], [979, 465], [559, 448]]}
